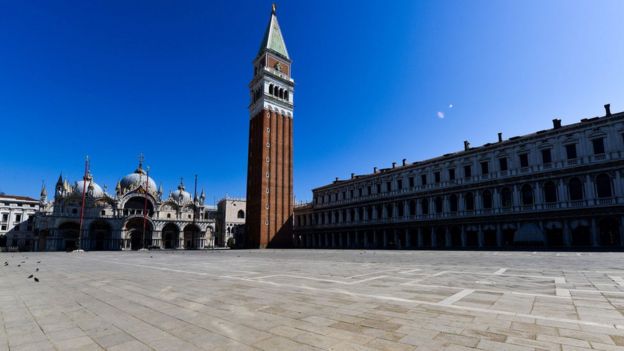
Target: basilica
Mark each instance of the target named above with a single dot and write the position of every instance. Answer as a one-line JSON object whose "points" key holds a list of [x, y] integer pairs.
{"points": [[136, 216]]}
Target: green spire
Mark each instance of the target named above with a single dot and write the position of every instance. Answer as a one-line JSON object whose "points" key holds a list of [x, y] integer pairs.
{"points": [[273, 39]]}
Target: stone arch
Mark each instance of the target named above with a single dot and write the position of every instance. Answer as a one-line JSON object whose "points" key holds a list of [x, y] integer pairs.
{"points": [[139, 238], [575, 189], [192, 236], [70, 234], [604, 188], [100, 236], [527, 195], [550, 192], [171, 236]]}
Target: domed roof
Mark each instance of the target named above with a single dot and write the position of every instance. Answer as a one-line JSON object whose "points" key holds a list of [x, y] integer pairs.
{"points": [[181, 195], [92, 188], [136, 179]]}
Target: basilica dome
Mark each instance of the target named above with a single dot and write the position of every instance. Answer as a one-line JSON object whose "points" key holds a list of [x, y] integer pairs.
{"points": [[181, 195], [136, 179], [92, 188]]}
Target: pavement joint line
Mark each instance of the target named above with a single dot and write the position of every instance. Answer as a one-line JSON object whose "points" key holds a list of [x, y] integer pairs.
{"points": [[410, 271], [390, 298], [562, 292], [456, 297], [617, 279], [371, 273], [500, 271]]}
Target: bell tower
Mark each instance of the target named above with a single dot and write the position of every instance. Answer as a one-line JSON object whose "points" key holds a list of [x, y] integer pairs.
{"points": [[270, 166]]}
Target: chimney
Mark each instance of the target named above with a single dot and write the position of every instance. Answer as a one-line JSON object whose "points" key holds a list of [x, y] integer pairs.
{"points": [[556, 123], [500, 137], [352, 175], [336, 178], [393, 164], [404, 161], [374, 169], [466, 145], [607, 110]]}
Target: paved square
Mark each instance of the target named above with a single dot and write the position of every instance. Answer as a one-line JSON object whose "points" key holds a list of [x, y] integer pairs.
{"points": [[312, 300]]}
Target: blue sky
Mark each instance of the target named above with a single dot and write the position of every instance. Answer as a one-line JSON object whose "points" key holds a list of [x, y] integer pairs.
{"points": [[113, 79]]}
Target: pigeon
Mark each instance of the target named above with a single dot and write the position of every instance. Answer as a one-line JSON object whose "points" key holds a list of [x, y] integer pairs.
{"points": [[19, 265], [38, 261], [23, 261], [37, 270], [37, 279], [30, 276]]}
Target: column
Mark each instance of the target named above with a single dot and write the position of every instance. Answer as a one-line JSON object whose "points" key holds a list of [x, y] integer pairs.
{"points": [[333, 240], [567, 234], [419, 238], [499, 235], [375, 240], [366, 243], [590, 195], [341, 240], [385, 239], [595, 240], [447, 234], [481, 237], [434, 239], [397, 241], [348, 240], [464, 239], [408, 239]]}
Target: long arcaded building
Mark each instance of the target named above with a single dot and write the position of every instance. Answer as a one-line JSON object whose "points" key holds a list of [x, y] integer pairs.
{"points": [[556, 188]]}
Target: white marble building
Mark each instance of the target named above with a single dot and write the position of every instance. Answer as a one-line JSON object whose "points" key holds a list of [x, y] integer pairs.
{"points": [[135, 216], [557, 188], [231, 214], [16, 221]]}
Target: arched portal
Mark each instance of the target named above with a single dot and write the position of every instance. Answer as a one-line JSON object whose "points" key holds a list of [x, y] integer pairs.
{"points": [[192, 236], [609, 232], [100, 236], [136, 204], [138, 238], [69, 233], [171, 236]]}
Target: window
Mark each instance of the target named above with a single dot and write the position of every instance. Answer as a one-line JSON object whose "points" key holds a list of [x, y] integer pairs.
{"points": [[344, 194], [436, 176], [412, 207], [527, 195], [502, 164], [5, 217], [18, 218], [103, 212], [550, 192], [438, 204], [487, 199], [378, 188], [467, 171], [603, 186], [575, 188], [546, 156], [469, 202], [424, 205], [598, 144], [411, 182], [388, 186], [423, 179], [4, 227], [241, 214], [168, 215], [571, 151], [453, 203], [360, 192], [351, 193], [400, 184], [485, 167], [506, 197], [452, 174], [524, 160]]}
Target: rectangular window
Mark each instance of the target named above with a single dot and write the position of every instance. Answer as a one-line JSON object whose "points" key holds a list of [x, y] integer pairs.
{"points": [[467, 171], [360, 192], [571, 151], [546, 156], [452, 174], [524, 160], [411, 182], [378, 188], [5, 217], [436, 176], [423, 179], [344, 195], [369, 190], [598, 144], [502, 163], [4, 227], [18, 218], [400, 184], [351, 193], [388, 186], [485, 168]]}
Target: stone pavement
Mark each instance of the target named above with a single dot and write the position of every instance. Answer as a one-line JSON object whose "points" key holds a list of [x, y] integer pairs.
{"points": [[312, 300]]}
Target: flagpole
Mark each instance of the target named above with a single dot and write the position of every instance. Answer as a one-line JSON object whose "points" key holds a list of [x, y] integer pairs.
{"points": [[194, 212], [145, 208], [82, 206]]}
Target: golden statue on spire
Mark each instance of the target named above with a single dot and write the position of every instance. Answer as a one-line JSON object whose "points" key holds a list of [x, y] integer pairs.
{"points": [[274, 7]]}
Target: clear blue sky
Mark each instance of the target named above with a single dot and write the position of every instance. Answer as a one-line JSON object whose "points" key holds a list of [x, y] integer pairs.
{"points": [[112, 79]]}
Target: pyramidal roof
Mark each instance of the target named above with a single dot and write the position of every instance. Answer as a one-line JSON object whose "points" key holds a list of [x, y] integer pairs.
{"points": [[273, 39]]}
